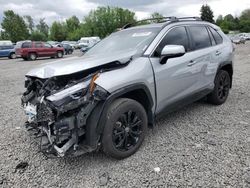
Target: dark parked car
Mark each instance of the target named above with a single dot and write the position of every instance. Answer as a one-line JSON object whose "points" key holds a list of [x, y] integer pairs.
{"points": [[7, 51], [32, 50], [68, 49], [85, 49]]}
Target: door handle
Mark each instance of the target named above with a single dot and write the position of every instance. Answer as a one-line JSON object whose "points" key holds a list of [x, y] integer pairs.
{"points": [[191, 63], [217, 53]]}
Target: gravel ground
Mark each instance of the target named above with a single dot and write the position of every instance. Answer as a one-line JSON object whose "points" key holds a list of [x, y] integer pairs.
{"points": [[199, 146]]}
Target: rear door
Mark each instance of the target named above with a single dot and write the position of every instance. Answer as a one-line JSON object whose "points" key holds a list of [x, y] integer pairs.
{"points": [[38, 47], [176, 79], [21, 48], [202, 51], [217, 55]]}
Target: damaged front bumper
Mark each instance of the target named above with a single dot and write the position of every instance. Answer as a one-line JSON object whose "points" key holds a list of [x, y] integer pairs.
{"points": [[60, 119]]}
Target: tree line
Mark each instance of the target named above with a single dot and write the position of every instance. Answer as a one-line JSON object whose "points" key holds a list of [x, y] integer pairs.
{"points": [[100, 22], [231, 23], [228, 22]]}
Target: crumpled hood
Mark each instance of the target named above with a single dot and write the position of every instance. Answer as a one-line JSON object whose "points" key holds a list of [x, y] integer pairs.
{"points": [[72, 65]]}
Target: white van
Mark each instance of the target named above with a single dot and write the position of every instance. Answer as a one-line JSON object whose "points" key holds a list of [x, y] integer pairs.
{"points": [[88, 41]]}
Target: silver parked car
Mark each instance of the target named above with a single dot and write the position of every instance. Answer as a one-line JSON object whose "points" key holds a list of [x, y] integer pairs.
{"points": [[238, 40], [110, 96]]}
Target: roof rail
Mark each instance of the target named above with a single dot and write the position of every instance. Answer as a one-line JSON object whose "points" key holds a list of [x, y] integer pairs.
{"points": [[186, 19], [159, 20], [190, 18], [162, 20]]}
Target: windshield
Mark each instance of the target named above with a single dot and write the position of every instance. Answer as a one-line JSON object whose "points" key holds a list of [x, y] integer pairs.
{"points": [[131, 39], [84, 41]]}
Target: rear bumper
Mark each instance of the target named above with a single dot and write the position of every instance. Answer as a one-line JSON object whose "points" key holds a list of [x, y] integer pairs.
{"points": [[20, 53], [19, 56]]}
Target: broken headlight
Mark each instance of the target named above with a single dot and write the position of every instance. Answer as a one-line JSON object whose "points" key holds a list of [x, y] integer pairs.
{"points": [[72, 92]]}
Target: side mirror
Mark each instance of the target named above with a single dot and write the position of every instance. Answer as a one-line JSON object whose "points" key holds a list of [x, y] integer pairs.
{"points": [[171, 51]]}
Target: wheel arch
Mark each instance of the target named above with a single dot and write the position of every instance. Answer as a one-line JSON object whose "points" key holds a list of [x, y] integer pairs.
{"points": [[59, 51], [138, 92], [227, 66], [142, 96], [33, 52], [9, 56]]}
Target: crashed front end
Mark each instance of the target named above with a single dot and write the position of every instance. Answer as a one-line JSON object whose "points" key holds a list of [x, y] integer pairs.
{"points": [[57, 111]]}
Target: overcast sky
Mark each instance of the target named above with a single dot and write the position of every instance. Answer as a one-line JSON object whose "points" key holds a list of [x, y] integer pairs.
{"points": [[59, 10]]}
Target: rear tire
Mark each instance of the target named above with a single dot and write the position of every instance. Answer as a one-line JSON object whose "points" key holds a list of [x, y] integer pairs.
{"points": [[32, 56], [59, 54], [125, 128], [221, 89]]}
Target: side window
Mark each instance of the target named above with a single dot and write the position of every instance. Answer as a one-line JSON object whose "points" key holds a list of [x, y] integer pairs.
{"points": [[9, 47], [6, 47], [38, 45], [200, 37], [176, 36], [47, 45], [211, 37], [26, 45], [218, 39]]}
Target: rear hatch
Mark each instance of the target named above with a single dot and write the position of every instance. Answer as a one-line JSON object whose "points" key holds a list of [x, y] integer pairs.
{"points": [[20, 47]]}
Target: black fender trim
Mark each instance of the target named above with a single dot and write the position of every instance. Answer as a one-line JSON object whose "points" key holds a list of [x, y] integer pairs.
{"points": [[97, 119], [119, 93], [225, 64], [92, 138]]}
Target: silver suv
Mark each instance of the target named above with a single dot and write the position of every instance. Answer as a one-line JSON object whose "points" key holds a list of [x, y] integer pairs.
{"points": [[107, 98]]}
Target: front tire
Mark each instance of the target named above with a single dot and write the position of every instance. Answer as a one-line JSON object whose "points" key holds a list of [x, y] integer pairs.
{"points": [[221, 89], [125, 128], [59, 54]]}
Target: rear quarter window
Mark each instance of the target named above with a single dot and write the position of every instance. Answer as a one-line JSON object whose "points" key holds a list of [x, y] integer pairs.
{"points": [[26, 45], [38, 45], [217, 37], [200, 37]]}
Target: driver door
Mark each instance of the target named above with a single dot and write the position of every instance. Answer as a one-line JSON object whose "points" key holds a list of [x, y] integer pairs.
{"points": [[177, 78]]}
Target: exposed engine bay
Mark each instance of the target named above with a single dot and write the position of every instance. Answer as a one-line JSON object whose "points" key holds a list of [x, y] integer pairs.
{"points": [[58, 108]]}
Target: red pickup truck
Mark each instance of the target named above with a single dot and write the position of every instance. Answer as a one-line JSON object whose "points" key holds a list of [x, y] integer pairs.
{"points": [[32, 50]]}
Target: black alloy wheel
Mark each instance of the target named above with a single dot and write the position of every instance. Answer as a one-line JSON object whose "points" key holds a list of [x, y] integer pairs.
{"points": [[224, 86], [221, 89], [127, 131], [125, 128]]}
